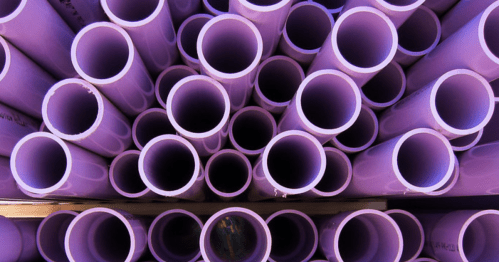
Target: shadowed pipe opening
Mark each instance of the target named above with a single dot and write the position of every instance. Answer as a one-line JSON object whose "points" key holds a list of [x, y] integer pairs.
{"points": [[220, 5], [481, 238], [411, 233], [131, 10], [490, 30], [228, 172], [126, 174], [307, 33], [7, 7], [400, 2], [331, 4], [190, 34], [252, 130], [464, 140], [385, 86], [169, 79], [3, 58], [151, 125], [418, 32], [361, 132], [264, 2], [336, 173], [234, 238], [51, 236], [278, 80], [292, 237]]}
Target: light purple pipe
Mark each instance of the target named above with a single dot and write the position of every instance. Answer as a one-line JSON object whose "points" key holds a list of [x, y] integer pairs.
{"points": [[474, 47], [180, 10], [18, 239], [458, 103], [50, 235], [360, 135], [170, 166], [440, 6], [292, 163], [8, 185], [295, 236], [13, 126], [229, 49], [103, 234], [326, 103], [44, 164], [216, 7], [418, 35], [79, 13], [150, 26], [228, 173], [26, 24], [333, 6], [104, 55], [174, 236], [302, 37], [149, 124], [363, 41], [168, 78], [187, 38], [235, 229], [277, 80], [76, 111], [362, 235], [251, 129], [198, 107], [466, 142], [412, 233], [421, 160]]}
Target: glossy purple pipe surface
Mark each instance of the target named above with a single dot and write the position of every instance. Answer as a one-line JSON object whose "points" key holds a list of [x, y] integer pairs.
{"points": [[13, 126], [149, 124], [8, 185], [412, 233], [79, 13], [180, 10], [460, 14], [18, 239], [168, 78], [50, 235], [187, 38]]}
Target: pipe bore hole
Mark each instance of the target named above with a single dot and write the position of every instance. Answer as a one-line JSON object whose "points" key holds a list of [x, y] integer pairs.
{"points": [[481, 238], [219, 5], [7, 7], [126, 174], [419, 31], [228, 172], [252, 130], [336, 174], [361, 132], [278, 80], [292, 237], [190, 35], [151, 125], [130, 10], [307, 33], [385, 86]]}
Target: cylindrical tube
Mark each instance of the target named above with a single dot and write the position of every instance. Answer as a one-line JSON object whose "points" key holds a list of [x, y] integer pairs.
{"points": [[363, 41], [18, 239], [149, 124], [294, 236], [466, 142], [76, 111], [103, 234], [333, 6], [150, 26], [363, 235], [460, 14], [491, 129], [168, 78], [13, 127], [412, 233], [125, 177], [229, 50], [216, 7], [42, 163], [421, 160], [277, 80], [50, 235], [235, 234], [79, 13], [180, 10], [447, 186], [251, 129], [198, 107], [440, 6], [228, 173], [174, 236], [104, 55], [8, 185], [187, 38], [327, 103], [170, 166]]}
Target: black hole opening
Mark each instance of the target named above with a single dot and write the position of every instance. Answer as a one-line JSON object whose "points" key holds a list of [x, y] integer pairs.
{"points": [[278, 80], [308, 27], [252, 130], [130, 10], [228, 173]]}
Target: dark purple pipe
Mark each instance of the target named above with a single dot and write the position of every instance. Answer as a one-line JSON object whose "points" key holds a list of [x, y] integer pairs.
{"points": [[50, 235], [18, 239], [187, 38], [412, 233], [149, 124], [79, 13], [125, 177], [168, 78], [14, 125], [216, 7], [180, 10], [8, 185]]}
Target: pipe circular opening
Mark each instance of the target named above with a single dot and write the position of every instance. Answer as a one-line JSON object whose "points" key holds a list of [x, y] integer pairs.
{"points": [[7, 7], [307, 33], [338, 172], [219, 5], [466, 142], [362, 132], [490, 32], [420, 31], [480, 241], [150, 124], [168, 78], [3, 58], [51, 233], [252, 129], [228, 172], [264, 2], [124, 172], [279, 79], [189, 33], [130, 10], [387, 86], [331, 4], [412, 234]]}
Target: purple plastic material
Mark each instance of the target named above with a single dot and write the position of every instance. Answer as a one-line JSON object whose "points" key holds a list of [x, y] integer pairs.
{"points": [[216, 7], [294, 235], [8, 185], [174, 236], [385, 88], [149, 124], [475, 46], [412, 233], [198, 107], [42, 163], [103, 234], [458, 103], [18, 239], [229, 50], [360, 135], [418, 35], [447, 186], [363, 41], [76, 111], [363, 235], [170, 166], [251, 129], [491, 129], [302, 37], [168, 78], [43, 128], [13, 126], [187, 38], [50, 235], [180, 10], [228, 173], [79, 13], [425, 259], [277, 80], [235, 234], [125, 177], [333, 6], [440, 6], [327, 103], [292, 163], [27, 23], [104, 55], [421, 160], [460, 14], [150, 26], [466, 142]]}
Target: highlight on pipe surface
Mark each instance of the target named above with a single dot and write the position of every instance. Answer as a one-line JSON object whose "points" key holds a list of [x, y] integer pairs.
{"points": [[360, 135], [132, 13], [412, 233], [385, 88], [124, 175], [466, 142], [149, 124], [10, 240], [216, 7], [187, 38], [50, 235], [333, 6], [478, 238], [337, 175], [449, 184], [168, 78]]}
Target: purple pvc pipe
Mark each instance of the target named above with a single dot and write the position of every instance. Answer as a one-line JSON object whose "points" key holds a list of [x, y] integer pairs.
{"points": [[174, 236], [277, 80], [26, 24], [424, 259], [42, 163], [294, 236], [13, 126], [363, 41], [412, 233], [103, 234], [76, 111], [187, 39], [18, 239], [150, 26], [450, 183], [235, 234], [170, 166], [198, 107], [8, 185], [125, 177], [491, 129], [229, 50], [292, 163], [302, 37], [168, 78], [327, 103], [180, 10], [149, 124], [363, 235], [79, 13], [251, 129], [421, 160], [216, 7], [440, 6], [333, 6], [104, 55], [43, 128], [458, 103], [50, 235], [228, 173], [466, 142]]}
